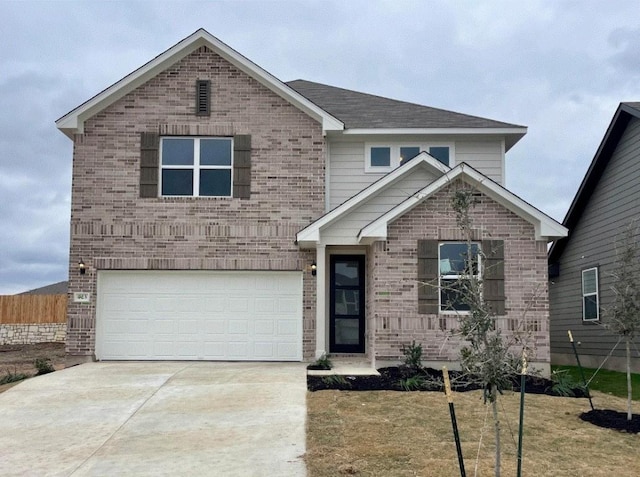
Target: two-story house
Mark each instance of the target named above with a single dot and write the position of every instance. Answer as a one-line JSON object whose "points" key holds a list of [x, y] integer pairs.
{"points": [[221, 214]]}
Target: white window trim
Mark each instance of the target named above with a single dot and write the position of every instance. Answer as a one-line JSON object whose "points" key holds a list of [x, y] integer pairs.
{"points": [[196, 167], [596, 293], [456, 276], [395, 154]]}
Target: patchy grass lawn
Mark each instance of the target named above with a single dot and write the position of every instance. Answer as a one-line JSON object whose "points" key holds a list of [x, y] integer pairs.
{"points": [[388, 434], [609, 382]]}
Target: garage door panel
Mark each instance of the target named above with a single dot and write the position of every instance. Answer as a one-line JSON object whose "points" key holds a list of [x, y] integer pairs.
{"points": [[199, 315]]}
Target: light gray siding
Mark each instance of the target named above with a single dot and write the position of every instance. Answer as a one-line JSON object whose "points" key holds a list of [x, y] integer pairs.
{"points": [[614, 202], [345, 231], [347, 174]]}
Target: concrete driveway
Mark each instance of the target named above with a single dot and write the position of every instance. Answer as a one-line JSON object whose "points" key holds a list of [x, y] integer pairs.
{"points": [[157, 418]]}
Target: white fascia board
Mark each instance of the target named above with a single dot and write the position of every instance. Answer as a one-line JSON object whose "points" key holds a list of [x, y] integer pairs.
{"points": [[73, 122], [420, 131], [546, 228], [312, 231]]}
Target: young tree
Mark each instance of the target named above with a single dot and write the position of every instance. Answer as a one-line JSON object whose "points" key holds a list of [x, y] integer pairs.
{"points": [[486, 358], [624, 314]]}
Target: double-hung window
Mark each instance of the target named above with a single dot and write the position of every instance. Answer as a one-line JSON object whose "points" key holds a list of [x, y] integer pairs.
{"points": [[386, 157], [458, 263], [590, 301], [196, 166]]}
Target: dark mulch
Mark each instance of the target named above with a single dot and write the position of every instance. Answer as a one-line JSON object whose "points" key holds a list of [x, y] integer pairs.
{"points": [[613, 420], [430, 379]]}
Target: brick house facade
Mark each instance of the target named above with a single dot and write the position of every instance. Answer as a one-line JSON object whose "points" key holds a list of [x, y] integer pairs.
{"points": [[266, 269]]}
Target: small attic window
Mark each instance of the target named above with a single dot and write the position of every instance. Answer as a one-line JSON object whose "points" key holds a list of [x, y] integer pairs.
{"points": [[203, 97]]}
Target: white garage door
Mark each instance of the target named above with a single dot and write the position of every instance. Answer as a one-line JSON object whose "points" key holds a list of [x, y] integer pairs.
{"points": [[151, 315]]}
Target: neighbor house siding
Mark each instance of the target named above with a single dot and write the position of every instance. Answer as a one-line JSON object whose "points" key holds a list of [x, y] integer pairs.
{"points": [[614, 202], [395, 290], [347, 174], [113, 228]]}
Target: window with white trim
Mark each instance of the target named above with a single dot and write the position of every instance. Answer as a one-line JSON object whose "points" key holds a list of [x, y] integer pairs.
{"points": [[457, 262], [386, 157], [196, 166], [590, 299]]}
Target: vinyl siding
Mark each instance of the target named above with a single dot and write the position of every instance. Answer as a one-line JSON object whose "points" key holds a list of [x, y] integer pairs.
{"points": [[347, 161], [614, 202], [346, 230]]}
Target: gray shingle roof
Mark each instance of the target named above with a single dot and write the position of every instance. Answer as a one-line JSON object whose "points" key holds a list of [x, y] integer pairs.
{"points": [[58, 288], [366, 111]]}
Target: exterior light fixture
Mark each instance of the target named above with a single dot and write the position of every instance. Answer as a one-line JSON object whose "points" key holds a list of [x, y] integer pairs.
{"points": [[82, 267], [314, 269]]}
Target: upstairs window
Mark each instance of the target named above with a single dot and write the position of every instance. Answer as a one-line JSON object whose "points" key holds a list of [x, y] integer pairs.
{"points": [[457, 262], [590, 299], [386, 157], [197, 167]]}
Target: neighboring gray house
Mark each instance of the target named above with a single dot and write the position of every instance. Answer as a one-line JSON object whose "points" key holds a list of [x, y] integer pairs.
{"points": [[221, 214], [58, 288], [580, 265]]}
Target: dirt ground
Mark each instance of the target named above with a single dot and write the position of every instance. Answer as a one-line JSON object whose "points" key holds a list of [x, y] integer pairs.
{"points": [[19, 358]]}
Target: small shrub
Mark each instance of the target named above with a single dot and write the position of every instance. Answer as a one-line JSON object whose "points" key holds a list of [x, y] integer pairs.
{"points": [[336, 380], [322, 363], [563, 383], [414, 383], [44, 366], [412, 355], [10, 377]]}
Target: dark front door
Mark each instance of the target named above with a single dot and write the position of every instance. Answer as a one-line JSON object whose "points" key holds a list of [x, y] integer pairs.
{"points": [[347, 304]]}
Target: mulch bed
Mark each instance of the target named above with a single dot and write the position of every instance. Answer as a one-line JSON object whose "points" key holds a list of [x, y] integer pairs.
{"points": [[391, 378], [613, 420]]}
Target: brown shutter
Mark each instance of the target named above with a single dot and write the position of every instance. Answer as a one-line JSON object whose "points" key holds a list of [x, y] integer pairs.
{"points": [[203, 97], [242, 166], [428, 290], [493, 275], [149, 147]]}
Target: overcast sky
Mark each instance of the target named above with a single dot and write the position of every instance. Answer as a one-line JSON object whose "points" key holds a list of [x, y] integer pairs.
{"points": [[559, 67]]}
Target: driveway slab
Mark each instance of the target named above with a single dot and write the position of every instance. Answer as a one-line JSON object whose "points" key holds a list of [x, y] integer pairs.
{"points": [[157, 418]]}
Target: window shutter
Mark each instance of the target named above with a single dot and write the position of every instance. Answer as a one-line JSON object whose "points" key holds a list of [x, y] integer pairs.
{"points": [[493, 275], [242, 166], [149, 148], [428, 290], [203, 98]]}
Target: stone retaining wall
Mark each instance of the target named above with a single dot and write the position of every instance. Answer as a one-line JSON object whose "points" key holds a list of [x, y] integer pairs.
{"points": [[32, 333]]}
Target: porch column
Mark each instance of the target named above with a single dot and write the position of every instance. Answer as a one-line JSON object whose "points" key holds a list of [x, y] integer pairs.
{"points": [[321, 321]]}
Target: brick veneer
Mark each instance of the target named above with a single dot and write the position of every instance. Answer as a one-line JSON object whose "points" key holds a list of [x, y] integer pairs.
{"points": [[393, 292], [113, 228]]}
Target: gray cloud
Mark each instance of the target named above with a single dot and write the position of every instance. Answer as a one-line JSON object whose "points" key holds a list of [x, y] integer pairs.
{"points": [[560, 68]]}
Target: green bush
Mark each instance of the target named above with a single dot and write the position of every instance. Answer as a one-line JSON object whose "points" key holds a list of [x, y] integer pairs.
{"points": [[44, 366], [412, 355], [10, 377], [413, 383]]}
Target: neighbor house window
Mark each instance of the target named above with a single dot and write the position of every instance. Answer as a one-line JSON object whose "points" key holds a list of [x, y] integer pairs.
{"points": [[386, 157], [590, 301], [198, 167], [459, 262]]}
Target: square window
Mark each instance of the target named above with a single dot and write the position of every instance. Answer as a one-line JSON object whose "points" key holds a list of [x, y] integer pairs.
{"points": [[198, 167], [380, 156], [407, 153], [441, 153]]}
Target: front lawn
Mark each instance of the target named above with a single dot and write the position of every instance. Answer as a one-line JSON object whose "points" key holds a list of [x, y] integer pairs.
{"points": [[609, 382], [387, 433]]}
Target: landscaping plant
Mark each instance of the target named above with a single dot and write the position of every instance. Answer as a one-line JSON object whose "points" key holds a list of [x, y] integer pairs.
{"points": [[624, 314], [43, 366]]}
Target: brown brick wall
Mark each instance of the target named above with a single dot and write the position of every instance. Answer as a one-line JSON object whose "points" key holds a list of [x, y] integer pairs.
{"points": [[393, 294], [113, 228]]}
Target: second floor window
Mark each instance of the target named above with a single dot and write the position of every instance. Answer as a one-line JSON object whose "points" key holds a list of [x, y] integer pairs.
{"points": [[197, 167], [386, 157]]}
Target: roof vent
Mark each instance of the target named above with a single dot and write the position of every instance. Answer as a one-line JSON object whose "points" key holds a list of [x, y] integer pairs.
{"points": [[203, 97]]}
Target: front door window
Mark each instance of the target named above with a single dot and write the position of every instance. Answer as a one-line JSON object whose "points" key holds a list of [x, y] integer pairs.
{"points": [[347, 304]]}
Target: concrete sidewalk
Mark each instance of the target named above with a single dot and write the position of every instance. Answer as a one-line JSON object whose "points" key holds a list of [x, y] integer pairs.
{"points": [[157, 418]]}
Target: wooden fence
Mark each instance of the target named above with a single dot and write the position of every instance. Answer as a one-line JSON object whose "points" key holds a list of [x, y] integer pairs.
{"points": [[32, 309]]}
